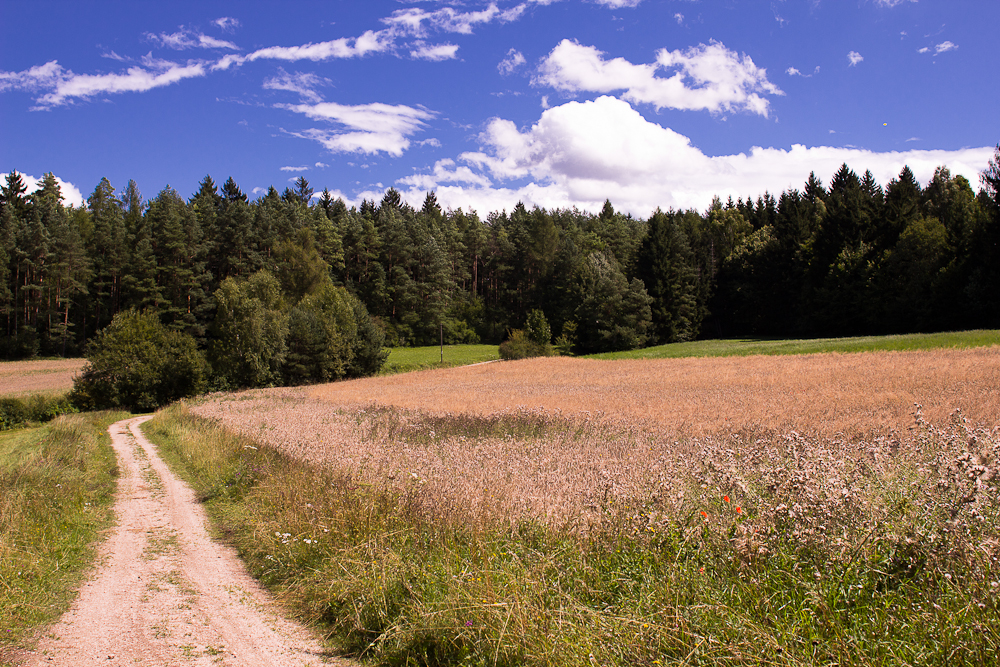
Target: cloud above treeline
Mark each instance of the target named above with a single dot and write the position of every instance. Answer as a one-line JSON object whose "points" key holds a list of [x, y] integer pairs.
{"points": [[706, 77], [561, 161]]}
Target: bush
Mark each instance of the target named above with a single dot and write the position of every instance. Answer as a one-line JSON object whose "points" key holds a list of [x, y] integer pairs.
{"points": [[519, 346], [139, 364], [17, 412]]}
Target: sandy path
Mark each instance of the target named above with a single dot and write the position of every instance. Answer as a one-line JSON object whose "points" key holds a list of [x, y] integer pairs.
{"points": [[165, 593]]}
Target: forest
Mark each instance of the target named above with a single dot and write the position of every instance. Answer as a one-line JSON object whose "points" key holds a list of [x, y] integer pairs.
{"points": [[849, 258]]}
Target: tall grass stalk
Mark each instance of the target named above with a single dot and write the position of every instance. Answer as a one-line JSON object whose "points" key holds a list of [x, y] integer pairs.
{"points": [[775, 549], [57, 485]]}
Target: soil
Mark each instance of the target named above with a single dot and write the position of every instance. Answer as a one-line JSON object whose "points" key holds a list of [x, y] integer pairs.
{"points": [[164, 592]]}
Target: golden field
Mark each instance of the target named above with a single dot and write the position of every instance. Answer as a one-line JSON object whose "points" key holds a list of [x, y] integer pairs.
{"points": [[562, 440], [48, 376]]}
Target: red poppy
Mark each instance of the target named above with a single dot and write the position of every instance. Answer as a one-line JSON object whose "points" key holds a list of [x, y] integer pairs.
{"points": [[704, 514], [739, 511], [726, 498]]}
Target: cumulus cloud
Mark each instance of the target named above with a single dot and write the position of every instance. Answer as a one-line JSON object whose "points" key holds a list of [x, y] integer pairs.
{"points": [[302, 83], [187, 39], [364, 128], [854, 58], [70, 193], [513, 60], [581, 153], [679, 18], [706, 77], [444, 171], [945, 46]]}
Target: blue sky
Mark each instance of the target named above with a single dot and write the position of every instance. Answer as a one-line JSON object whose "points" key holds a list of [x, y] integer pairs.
{"points": [[648, 103]]}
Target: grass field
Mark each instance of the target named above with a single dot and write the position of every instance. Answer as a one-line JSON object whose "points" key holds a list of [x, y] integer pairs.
{"points": [[406, 359], [47, 377], [759, 510], [749, 346], [56, 488]]}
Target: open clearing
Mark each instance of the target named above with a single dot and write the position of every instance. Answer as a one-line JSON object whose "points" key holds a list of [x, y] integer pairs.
{"points": [[39, 376]]}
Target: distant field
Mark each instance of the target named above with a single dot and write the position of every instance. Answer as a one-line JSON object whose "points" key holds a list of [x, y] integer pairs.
{"points": [[44, 376], [405, 359], [743, 347]]}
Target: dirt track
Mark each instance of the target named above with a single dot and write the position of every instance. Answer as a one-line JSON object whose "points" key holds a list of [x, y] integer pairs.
{"points": [[164, 593]]}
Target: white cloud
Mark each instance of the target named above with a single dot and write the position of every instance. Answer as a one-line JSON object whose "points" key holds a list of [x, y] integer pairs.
{"points": [[945, 46], [709, 77], [63, 85], [295, 169], [321, 165], [791, 71], [304, 84], [186, 39], [854, 57], [513, 60], [227, 23], [923, 50], [443, 174], [891, 3], [344, 47], [679, 18], [619, 4], [434, 52], [33, 79], [365, 128], [415, 21], [581, 153], [70, 193]]}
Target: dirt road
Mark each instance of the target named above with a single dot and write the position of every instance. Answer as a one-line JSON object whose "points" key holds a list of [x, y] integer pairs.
{"points": [[166, 594]]}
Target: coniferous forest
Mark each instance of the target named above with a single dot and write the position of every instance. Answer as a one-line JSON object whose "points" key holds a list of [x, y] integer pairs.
{"points": [[310, 277]]}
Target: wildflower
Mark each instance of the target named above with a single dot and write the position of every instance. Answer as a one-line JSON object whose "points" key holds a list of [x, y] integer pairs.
{"points": [[468, 624], [726, 498], [739, 510], [704, 514]]}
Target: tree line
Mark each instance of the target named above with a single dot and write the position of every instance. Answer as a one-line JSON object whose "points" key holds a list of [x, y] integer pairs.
{"points": [[845, 259]]}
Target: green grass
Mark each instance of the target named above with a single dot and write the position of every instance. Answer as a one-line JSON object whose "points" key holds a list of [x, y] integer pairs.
{"points": [[57, 484], [743, 347], [34, 408], [387, 577], [405, 359]]}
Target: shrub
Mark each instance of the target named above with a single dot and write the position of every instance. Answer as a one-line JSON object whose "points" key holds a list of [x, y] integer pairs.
{"points": [[139, 364], [17, 412], [519, 346]]}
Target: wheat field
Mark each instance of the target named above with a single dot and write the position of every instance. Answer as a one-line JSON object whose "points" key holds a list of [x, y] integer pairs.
{"points": [[563, 439], [47, 376]]}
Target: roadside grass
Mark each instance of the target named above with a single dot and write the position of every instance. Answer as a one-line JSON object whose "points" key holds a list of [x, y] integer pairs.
{"points": [[406, 359], [742, 347], [57, 485], [775, 550]]}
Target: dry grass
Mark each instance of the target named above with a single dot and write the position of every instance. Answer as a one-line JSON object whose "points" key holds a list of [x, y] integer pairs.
{"points": [[822, 393], [48, 376], [604, 435]]}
